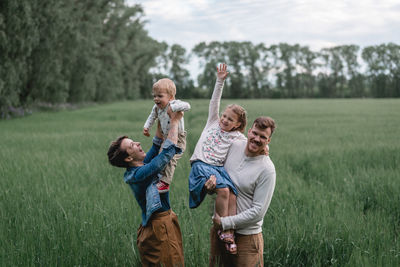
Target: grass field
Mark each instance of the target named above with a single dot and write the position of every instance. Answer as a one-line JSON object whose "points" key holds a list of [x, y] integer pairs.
{"points": [[336, 201]]}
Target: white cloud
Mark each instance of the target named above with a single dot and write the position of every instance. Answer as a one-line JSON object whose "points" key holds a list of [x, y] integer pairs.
{"points": [[315, 23], [173, 10], [308, 22]]}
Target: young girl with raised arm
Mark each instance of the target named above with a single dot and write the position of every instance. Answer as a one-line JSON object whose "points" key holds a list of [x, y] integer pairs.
{"points": [[210, 153]]}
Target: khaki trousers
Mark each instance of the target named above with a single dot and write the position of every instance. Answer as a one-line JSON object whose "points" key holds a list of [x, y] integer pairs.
{"points": [[160, 242], [168, 172], [249, 251]]}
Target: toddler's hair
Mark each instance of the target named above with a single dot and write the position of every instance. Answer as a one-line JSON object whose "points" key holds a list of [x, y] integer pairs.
{"points": [[242, 116], [165, 84]]}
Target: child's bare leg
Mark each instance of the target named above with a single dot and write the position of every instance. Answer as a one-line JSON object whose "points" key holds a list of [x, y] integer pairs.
{"points": [[222, 201], [229, 234], [232, 204], [231, 211], [222, 209]]}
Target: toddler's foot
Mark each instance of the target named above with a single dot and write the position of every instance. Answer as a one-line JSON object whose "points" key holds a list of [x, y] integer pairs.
{"points": [[162, 187]]}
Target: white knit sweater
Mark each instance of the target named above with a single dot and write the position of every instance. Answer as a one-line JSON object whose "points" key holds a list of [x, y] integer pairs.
{"points": [[254, 178]]}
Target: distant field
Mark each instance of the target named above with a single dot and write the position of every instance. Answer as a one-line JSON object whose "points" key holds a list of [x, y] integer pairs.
{"points": [[336, 202]]}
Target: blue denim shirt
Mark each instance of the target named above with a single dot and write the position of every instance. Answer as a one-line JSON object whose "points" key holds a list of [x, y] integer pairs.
{"points": [[143, 179]]}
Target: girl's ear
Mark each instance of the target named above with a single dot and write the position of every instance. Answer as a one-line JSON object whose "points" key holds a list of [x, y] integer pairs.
{"points": [[237, 127]]}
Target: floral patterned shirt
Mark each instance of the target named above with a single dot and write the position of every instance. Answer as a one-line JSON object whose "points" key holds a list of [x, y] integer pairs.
{"points": [[214, 143]]}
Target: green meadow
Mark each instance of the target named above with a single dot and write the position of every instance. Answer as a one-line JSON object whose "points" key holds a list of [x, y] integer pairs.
{"points": [[336, 201]]}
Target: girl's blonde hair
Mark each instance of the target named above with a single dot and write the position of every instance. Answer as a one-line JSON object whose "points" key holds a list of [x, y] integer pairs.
{"points": [[242, 116]]}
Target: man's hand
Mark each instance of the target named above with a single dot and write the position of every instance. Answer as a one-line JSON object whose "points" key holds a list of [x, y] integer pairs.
{"points": [[211, 184], [217, 221], [146, 132], [174, 115], [221, 71]]}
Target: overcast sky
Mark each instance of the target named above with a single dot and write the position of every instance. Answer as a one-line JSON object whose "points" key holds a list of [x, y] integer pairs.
{"points": [[316, 23]]}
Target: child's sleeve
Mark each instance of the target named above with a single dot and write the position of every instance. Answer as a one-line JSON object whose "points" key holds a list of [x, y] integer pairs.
{"points": [[213, 109], [152, 118], [179, 105]]}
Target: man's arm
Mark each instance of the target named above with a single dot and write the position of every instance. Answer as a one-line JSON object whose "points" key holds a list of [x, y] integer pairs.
{"points": [[261, 201], [174, 123], [155, 165], [160, 161], [155, 148]]}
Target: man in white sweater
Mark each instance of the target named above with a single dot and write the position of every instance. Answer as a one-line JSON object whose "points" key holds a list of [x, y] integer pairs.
{"points": [[253, 175]]}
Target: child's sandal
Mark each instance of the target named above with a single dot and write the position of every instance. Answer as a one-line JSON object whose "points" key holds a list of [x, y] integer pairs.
{"points": [[226, 237], [231, 248], [229, 240]]}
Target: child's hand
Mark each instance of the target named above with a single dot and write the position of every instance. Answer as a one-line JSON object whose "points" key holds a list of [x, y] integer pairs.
{"points": [[221, 71], [146, 132], [211, 184]]}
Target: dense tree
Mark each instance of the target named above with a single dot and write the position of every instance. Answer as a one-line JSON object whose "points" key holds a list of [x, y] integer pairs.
{"points": [[383, 71], [56, 51], [177, 72], [98, 50], [18, 37], [209, 56], [307, 64]]}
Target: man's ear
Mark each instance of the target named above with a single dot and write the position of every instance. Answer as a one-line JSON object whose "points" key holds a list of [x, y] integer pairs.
{"points": [[269, 140], [128, 159]]}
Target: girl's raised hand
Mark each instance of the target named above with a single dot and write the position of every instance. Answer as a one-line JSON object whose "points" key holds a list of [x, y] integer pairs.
{"points": [[221, 71]]}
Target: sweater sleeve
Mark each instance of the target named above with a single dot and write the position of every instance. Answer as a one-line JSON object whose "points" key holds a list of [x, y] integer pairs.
{"points": [[152, 118], [213, 109], [261, 200]]}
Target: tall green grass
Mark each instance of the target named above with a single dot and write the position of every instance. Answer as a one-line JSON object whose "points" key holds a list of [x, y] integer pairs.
{"points": [[336, 201]]}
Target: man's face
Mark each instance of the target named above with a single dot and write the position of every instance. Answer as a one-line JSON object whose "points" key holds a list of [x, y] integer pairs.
{"points": [[133, 149], [257, 141], [161, 98]]}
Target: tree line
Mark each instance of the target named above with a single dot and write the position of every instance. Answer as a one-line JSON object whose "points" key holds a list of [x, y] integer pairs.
{"points": [[295, 71], [58, 51]]}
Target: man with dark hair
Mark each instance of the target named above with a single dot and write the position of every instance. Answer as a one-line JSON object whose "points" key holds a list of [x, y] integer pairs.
{"points": [[159, 237], [253, 175]]}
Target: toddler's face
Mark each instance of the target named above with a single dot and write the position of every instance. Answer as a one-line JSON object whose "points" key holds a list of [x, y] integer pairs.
{"points": [[229, 120], [161, 98]]}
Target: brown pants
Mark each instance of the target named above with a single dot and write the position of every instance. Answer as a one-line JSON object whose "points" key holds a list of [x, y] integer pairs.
{"points": [[160, 242], [249, 251], [168, 172]]}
